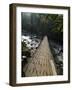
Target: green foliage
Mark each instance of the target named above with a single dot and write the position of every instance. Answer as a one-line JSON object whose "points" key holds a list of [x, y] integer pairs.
{"points": [[24, 46], [25, 50], [54, 21]]}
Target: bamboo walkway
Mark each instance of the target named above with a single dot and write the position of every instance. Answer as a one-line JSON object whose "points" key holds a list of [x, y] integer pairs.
{"points": [[42, 62]]}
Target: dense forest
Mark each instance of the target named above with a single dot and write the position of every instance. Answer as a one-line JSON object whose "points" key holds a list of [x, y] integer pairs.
{"points": [[44, 24]]}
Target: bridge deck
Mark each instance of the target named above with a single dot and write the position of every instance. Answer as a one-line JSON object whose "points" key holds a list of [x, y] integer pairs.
{"points": [[42, 63]]}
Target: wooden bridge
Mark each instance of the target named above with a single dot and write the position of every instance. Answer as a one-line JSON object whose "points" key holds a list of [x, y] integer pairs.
{"points": [[42, 62]]}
